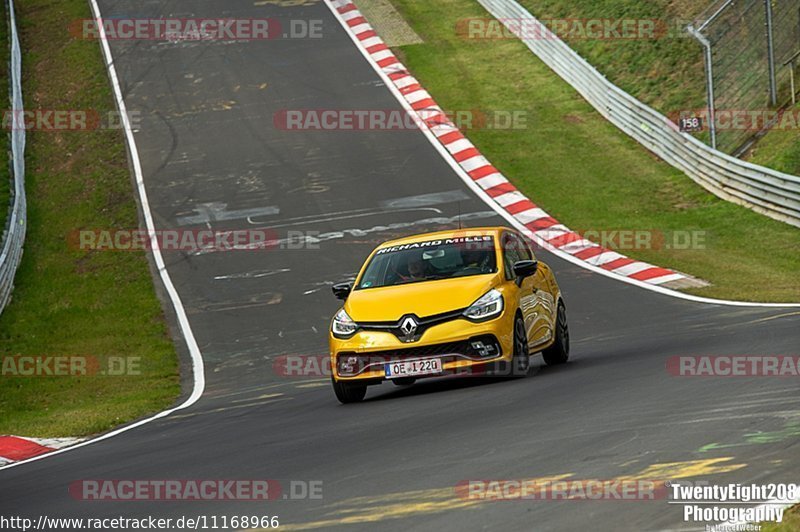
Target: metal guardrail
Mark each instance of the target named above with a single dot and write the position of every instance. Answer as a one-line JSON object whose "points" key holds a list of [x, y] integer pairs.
{"points": [[763, 190], [14, 233]]}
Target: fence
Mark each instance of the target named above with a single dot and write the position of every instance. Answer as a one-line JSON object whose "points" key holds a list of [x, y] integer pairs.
{"points": [[14, 232], [751, 55], [766, 191]]}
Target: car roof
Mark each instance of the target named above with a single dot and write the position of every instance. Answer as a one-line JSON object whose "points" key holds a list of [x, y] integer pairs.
{"points": [[450, 233]]}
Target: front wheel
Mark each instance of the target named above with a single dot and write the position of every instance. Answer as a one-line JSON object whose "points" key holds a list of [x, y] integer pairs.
{"points": [[521, 360], [558, 353], [347, 392]]}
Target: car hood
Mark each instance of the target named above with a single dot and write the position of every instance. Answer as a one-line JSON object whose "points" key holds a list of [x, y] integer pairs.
{"points": [[426, 298]]}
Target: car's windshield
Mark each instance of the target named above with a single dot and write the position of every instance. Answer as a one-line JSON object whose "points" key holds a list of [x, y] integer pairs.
{"points": [[430, 260]]}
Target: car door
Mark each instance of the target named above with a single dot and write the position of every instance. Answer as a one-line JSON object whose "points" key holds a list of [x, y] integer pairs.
{"points": [[535, 299], [513, 252]]}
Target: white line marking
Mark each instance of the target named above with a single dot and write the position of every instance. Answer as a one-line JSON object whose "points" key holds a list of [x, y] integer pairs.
{"points": [[197, 357], [509, 218]]}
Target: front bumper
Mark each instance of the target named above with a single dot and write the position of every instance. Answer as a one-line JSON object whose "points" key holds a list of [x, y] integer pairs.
{"points": [[463, 347]]}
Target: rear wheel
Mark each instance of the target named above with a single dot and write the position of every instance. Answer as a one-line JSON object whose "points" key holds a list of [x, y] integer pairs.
{"points": [[347, 392], [558, 353]]}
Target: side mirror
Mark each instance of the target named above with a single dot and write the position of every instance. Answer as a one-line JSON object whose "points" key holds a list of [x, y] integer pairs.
{"points": [[342, 290], [525, 268]]}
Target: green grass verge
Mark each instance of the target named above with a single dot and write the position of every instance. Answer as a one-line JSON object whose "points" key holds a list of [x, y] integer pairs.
{"points": [[790, 523], [779, 149], [69, 302], [587, 173]]}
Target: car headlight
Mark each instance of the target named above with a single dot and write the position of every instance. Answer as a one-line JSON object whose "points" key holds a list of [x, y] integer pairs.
{"points": [[487, 306], [343, 325]]}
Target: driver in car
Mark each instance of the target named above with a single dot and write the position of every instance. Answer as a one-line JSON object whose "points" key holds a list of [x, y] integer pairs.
{"points": [[417, 269], [472, 258]]}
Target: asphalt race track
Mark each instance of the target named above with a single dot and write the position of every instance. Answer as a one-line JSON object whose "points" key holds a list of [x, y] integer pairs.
{"points": [[212, 157]]}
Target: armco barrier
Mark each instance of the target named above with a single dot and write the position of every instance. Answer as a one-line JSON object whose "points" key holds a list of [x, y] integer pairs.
{"points": [[14, 233], [766, 191]]}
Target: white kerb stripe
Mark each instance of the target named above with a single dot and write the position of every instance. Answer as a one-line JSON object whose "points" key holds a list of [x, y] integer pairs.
{"points": [[459, 145], [473, 163], [632, 268], [509, 198], [491, 180]]}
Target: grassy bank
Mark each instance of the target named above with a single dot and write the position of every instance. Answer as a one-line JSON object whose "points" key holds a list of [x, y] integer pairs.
{"points": [[68, 302], [790, 523], [666, 72], [587, 173]]}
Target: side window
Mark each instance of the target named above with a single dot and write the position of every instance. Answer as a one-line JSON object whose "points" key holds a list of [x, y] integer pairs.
{"points": [[525, 250], [511, 254]]}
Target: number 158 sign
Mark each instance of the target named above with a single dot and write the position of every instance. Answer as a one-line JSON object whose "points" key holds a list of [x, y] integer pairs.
{"points": [[691, 124]]}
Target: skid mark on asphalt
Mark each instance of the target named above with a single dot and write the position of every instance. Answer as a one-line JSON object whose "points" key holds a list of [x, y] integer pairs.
{"points": [[218, 212], [260, 300], [334, 217], [425, 200], [399, 505]]}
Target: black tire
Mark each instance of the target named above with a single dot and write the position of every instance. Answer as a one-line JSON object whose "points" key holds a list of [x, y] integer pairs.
{"points": [[521, 360], [404, 381], [347, 392], [558, 353]]}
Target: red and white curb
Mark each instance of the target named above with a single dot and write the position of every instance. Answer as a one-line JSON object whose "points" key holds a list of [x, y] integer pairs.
{"points": [[16, 448], [543, 228]]}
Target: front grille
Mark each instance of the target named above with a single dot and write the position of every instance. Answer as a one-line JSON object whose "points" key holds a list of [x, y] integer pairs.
{"points": [[423, 324]]}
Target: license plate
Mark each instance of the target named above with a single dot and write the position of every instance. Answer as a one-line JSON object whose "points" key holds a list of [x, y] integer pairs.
{"points": [[413, 368]]}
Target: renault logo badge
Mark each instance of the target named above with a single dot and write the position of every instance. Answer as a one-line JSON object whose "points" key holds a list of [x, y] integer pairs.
{"points": [[409, 326]]}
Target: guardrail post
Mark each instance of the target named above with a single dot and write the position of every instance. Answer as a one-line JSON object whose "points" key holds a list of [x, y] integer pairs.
{"points": [[773, 83], [712, 114]]}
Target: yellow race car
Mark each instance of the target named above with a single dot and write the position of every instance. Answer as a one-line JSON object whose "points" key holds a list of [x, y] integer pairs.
{"points": [[467, 301]]}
